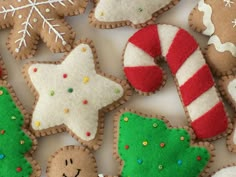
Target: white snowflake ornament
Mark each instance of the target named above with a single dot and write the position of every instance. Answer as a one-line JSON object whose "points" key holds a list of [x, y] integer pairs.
{"points": [[73, 95], [35, 19]]}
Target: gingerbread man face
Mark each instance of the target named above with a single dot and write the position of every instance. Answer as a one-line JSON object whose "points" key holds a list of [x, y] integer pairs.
{"points": [[72, 161], [217, 19]]}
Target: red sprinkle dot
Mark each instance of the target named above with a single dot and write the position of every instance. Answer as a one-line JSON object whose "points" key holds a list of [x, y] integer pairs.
{"points": [[85, 102], [65, 76], [88, 134], [162, 145], [199, 158], [35, 70], [126, 147], [18, 169], [2, 132]]}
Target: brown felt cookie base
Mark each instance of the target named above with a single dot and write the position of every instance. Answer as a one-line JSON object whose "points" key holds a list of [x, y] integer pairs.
{"points": [[109, 25], [97, 141], [207, 145]]}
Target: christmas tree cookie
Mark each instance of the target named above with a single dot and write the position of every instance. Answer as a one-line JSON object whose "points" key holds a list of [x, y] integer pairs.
{"points": [[3, 71], [35, 19], [73, 95], [16, 143], [147, 146], [138, 13]]}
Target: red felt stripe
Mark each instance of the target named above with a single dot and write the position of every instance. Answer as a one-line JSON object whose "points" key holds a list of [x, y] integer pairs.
{"points": [[199, 83], [147, 39], [211, 124], [1, 71], [182, 47], [144, 78]]}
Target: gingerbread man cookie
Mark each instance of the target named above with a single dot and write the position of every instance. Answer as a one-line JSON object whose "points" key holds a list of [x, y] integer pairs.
{"points": [[217, 19], [73, 95], [34, 19], [149, 146], [138, 13], [193, 78], [16, 143], [73, 161]]}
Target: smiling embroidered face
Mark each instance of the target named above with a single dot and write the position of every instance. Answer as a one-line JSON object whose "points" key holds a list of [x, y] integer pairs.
{"points": [[72, 161]]}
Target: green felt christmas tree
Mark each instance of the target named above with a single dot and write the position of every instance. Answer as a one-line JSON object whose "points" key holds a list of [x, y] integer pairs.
{"points": [[14, 142], [148, 148]]}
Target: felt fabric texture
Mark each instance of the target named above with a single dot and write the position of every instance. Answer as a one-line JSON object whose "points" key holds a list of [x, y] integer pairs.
{"points": [[187, 64], [76, 92], [217, 20], [158, 150], [35, 19], [226, 172], [14, 142]]}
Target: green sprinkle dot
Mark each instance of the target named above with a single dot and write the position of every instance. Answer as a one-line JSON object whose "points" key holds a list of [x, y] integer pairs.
{"points": [[117, 90], [13, 117], [70, 90], [155, 125], [160, 167], [52, 93]]}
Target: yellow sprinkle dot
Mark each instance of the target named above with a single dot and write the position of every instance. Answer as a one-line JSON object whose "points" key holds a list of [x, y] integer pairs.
{"points": [[83, 49], [102, 13], [126, 119], [85, 79], [1, 92], [145, 143], [155, 125], [22, 142], [37, 124], [66, 110], [182, 138]]}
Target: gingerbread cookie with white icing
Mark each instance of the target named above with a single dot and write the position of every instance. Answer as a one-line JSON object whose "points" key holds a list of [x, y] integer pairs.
{"points": [[35, 19], [73, 95], [228, 171], [217, 19], [138, 13]]}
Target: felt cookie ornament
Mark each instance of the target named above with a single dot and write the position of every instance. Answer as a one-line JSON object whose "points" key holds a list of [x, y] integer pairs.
{"points": [[148, 146], [73, 161], [73, 95], [3, 71], [16, 143], [193, 78], [138, 13], [217, 19], [229, 171], [32, 19]]}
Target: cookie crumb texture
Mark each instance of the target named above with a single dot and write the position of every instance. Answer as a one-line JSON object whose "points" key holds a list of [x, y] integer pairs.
{"points": [[217, 19], [35, 19], [148, 148], [123, 12], [14, 143]]}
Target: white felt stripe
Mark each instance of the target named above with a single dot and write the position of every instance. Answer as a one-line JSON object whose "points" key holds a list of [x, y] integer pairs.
{"points": [[207, 10], [190, 67], [203, 104], [167, 34], [226, 172], [134, 56]]}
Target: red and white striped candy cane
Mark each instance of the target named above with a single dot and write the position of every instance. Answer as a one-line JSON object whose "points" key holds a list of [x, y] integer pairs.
{"points": [[187, 64]]}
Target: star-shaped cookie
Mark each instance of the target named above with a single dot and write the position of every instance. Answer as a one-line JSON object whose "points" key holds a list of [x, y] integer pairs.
{"points": [[73, 95]]}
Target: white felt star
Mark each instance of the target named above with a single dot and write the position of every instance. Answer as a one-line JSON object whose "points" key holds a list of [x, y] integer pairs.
{"points": [[72, 93]]}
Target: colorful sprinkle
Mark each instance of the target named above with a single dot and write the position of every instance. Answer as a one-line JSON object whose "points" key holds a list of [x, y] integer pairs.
{"points": [[180, 162], [160, 167], [182, 138], [83, 49], [66, 110], [126, 119], [1, 92], [88, 134], [37, 124], [117, 91], [140, 9], [145, 143], [199, 158], [85, 79], [155, 125], [2, 132], [70, 90], [18, 169], [2, 156], [85, 101], [102, 14], [126, 146], [65, 76], [13, 117], [140, 161], [22, 142], [162, 145], [52, 93], [35, 70]]}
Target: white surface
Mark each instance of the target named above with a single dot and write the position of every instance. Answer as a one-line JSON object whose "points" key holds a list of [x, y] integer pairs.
{"points": [[110, 44]]}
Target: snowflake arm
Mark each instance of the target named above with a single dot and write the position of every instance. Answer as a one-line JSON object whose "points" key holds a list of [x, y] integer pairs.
{"points": [[6, 14]]}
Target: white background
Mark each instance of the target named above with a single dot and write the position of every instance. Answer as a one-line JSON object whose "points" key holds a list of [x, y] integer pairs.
{"points": [[109, 45]]}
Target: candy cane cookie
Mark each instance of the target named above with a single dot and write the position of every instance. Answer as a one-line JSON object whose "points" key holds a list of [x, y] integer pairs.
{"points": [[194, 80]]}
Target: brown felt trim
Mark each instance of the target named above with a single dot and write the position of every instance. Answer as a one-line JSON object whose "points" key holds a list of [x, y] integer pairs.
{"points": [[109, 25], [97, 141], [4, 71], [207, 145], [35, 166]]}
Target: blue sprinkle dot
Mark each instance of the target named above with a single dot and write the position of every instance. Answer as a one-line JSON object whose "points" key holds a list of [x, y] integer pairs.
{"points": [[2, 156], [140, 161], [180, 162]]}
